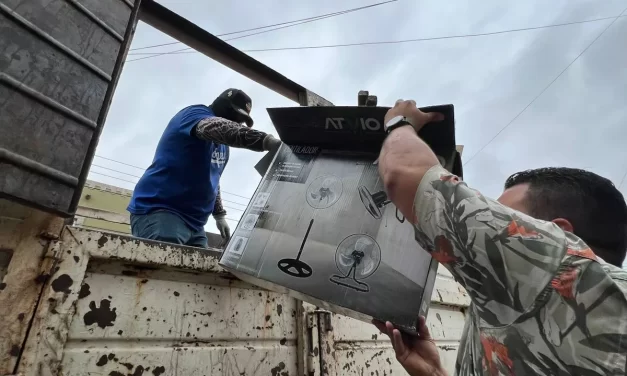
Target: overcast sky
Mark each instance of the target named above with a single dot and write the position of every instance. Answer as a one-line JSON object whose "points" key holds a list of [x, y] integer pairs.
{"points": [[579, 121]]}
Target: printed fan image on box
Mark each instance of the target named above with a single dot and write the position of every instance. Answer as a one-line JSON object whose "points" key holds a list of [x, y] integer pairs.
{"points": [[321, 228]]}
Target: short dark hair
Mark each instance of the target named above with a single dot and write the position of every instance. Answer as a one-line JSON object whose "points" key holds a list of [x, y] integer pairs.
{"points": [[591, 203]]}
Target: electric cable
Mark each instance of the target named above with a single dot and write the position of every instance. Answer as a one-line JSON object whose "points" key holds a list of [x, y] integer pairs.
{"points": [[414, 40], [132, 182], [282, 24], [144, 169], [615, 18]]}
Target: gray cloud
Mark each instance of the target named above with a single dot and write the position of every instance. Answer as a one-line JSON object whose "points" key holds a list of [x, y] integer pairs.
{"points": [[579, 121]]}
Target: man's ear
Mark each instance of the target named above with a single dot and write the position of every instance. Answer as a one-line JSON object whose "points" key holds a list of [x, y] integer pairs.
{"points": [[564, 224]]}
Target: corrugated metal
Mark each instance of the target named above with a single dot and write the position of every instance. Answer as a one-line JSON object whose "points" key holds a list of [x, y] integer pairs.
{"points": [[118, 306], [24, 237], [59, 64], [352, 347], [115, 305]]}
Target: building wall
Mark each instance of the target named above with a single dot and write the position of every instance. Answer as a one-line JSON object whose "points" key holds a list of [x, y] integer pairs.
{"points": [[103, 207]]}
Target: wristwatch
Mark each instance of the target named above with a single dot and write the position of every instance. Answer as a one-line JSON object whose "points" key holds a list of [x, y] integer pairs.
{"points": [[395, 122]]}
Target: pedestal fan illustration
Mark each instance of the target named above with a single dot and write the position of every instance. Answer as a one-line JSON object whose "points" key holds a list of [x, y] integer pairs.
{"points": [[296, 267], [374, 202], [357, 257], [324, 191]]}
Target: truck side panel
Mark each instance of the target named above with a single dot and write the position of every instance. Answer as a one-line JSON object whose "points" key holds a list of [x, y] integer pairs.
{"points": [[117, 305]]}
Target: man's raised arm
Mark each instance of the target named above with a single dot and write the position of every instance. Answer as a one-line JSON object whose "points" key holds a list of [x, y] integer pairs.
{"points": [[503, 258]]}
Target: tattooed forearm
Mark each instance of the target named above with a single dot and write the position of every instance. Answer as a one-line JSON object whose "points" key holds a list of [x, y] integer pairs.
{"points": [[230, 133], [218, 208]]}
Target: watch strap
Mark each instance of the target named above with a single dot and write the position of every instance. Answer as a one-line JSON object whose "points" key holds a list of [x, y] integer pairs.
{"points": [[400, 123]]}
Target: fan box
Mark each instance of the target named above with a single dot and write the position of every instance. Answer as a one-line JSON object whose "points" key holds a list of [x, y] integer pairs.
{"points": [[320, 226]]}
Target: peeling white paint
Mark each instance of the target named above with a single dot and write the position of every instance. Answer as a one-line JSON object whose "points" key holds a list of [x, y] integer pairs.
{"points": [[136, 307]]}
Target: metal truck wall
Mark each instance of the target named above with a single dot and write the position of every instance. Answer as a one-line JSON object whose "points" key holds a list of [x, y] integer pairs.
{"points": [[114, 305], [350, 347], [25, 235], [59, 64]]}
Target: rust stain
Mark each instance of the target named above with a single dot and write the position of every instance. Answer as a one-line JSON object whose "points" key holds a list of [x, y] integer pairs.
{"points": [[102, 241], [279, 370], [84, 291], [62, 284], [42, 278], [103, 316], [102, 361]]}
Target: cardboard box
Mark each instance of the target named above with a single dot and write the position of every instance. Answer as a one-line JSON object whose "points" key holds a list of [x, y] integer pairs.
{"points": [[320, 227]]}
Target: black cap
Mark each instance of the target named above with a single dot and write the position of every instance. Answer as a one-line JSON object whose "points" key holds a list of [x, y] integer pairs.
{"points": [[240, 102]]}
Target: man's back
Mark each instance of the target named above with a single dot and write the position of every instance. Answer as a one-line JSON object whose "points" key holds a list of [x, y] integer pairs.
{"points": [[184, 175], [575, 327], [543, 302]]}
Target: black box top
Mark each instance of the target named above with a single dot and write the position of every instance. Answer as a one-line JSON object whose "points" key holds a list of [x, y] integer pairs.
{"points": [[354, 128]]}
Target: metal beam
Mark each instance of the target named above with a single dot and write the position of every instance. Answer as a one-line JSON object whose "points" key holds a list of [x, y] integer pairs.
{"points": [[194, 36]]}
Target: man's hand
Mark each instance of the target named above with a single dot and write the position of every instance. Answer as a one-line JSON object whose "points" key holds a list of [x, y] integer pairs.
{"points": [[270, 142], [418, 355], [416, 117], [223, 227]]}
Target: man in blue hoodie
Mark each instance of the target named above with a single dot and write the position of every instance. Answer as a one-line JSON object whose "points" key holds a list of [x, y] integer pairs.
{"points": [[174, 198]]}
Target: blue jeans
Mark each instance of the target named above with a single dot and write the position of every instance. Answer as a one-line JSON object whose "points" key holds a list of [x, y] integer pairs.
{"points": [[167, 227]]}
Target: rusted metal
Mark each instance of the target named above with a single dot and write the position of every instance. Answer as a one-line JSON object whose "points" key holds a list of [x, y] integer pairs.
{"points": [[23, 281], [96, 20], [46, 101], [58, 78], [113, 303], [358, 348], [108, 97], [206, 43], [106, 310], [40, 168], [52, 41]]}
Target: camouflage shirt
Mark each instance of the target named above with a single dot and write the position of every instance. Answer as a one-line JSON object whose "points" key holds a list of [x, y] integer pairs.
{"points": [[542, 302]]}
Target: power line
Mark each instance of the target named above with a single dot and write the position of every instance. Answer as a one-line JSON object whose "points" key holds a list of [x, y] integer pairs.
{"points": [[414, 40], [622, 181], [113, 170], [134, 182], [144, 169], [226, 40], [546, 87], [126, 164], [297, 22], [112, 177]]}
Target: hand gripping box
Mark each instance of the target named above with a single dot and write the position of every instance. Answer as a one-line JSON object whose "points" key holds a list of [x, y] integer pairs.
{"points": [[321, 228]]}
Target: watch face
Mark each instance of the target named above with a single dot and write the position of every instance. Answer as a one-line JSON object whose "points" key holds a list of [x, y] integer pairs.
{"points": [[393, 121]]}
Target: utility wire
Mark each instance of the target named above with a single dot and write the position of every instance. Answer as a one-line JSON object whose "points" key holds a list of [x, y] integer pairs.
{"points": [[144, 169], [134, 182], [615, 18], [622, 181], [230, 39], [414, 40], [122, 163], [114, 170], [282, 24]]}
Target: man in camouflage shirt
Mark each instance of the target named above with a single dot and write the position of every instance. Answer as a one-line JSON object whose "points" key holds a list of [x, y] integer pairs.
{"points": [[548, 296]]}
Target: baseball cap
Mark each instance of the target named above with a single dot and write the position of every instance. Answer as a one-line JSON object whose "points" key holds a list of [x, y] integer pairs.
{"points": [[240, 102]]}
